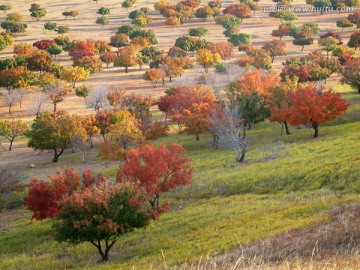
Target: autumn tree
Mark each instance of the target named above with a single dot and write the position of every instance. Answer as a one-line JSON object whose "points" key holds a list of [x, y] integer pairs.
{"points": [[154, 76], [10, 130], [83, 48], [240, 11], [89, 124], [204, 13], [224, 49], [116, 98], [328, 44], [126, 57], [172, 21], [55, 132], [282, 31], [56, 91], [39, 61], [119, 40], [179, 99], [312, 108], [89, 63], [277, 100], [157, 169], [124, 132], [108, 58], [112, 209], [207, 59], [74, 74], [344, 23], [275, 48], [354, 41], [44, 44], [351, 73], [355, 18]]}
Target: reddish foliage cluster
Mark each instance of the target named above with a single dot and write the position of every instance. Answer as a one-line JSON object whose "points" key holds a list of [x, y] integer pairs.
{"points": [[83, 48], [44, 44], [45, 198], [224, 49], [157, 169]]}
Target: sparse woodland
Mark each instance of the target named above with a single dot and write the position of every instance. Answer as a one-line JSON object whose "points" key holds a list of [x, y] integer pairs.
{"points": [[166, 135]]}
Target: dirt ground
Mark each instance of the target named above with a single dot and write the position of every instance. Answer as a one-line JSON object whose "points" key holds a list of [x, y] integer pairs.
{"points": [[84, 27]]}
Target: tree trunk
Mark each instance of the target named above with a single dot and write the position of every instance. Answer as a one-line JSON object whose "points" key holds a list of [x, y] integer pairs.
{"points": [[57, 155], [272, 59], [11, 143], [302, 48], [359, 89], [287, 128], [243, 152], [54, 107], [315, 126], [10, 109], [126, 69], [197, 137], [215, 141]]}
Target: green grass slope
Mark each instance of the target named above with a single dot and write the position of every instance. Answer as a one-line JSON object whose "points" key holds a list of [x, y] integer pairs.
{"points": [[286, 182]]}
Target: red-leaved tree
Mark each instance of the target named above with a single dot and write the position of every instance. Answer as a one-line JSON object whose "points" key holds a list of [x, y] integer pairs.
{"points": [[311, 107], [157, 169]]}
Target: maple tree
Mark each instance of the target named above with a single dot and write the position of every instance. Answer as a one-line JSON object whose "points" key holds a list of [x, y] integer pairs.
{"points": [[328, 44], [10, 130], [240, 11], [197, 118], [50, 26], [311, 107], [126, 57], [344, 23], [351, 73], [277, 99], [119, 40], [224, 49], [44, 44], [39, 61], [55, 132], [74, 74], [116, 98], [154, 76], [182, 98], [282, 31], [108, 58], [275, 48], [37, 12], [92, 209], [83, 48], [89, 63], [62, 29], [102, 46], [157, 170]]}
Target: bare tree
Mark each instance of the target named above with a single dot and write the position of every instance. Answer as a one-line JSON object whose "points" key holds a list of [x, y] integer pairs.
{"points": [[56, 91], [21, 92], [10, 99], [9, 179], [98, 98], [228, 126], [39, 103]]}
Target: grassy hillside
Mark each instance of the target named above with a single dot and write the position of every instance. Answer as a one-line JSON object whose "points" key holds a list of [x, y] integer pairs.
{"points": [[286, 182]]}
